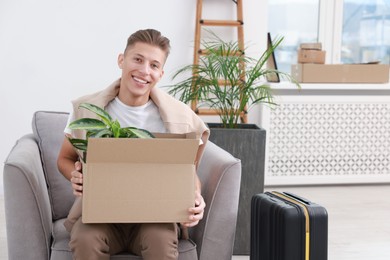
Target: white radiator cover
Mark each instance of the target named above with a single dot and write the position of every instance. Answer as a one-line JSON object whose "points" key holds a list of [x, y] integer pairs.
{"points": [[328, 140]]}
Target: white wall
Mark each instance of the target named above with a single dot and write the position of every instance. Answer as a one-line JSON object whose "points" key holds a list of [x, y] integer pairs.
{"points": [[53, 51]]}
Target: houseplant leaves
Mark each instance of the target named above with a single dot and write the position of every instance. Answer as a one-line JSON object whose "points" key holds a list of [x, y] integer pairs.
{"points": [[105, 127]]}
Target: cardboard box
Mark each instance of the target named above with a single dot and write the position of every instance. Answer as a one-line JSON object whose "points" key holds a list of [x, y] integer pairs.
{"points": [[130, 180], [311, 46], [311, 56], [340, 73]]}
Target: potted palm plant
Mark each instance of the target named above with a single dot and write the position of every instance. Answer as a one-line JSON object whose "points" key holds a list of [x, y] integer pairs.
{"points": [[227, 80]]}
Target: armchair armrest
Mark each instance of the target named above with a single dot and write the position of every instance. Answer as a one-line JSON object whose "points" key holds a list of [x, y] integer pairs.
{"points": [[27, 206], [220, 175]]}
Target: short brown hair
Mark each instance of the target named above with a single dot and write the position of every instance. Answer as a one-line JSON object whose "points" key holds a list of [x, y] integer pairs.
{"points": [[152, 37]]}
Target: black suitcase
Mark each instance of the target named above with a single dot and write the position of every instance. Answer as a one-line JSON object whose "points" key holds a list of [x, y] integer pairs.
{"points": [[287, 227]]}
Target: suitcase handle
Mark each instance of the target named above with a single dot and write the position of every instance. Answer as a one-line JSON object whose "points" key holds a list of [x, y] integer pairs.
{"points": [[297, 197]]}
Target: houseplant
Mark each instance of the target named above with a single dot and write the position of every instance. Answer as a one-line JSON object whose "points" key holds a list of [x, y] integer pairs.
{"points": [[231, 82], [227, 80], [104, 127]]}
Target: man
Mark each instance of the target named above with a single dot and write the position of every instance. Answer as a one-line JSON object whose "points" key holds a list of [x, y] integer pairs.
{"points": [[135, 101]]}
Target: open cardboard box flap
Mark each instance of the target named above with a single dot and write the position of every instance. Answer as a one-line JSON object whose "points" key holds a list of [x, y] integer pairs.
{"points": [[164, 149], [130, 180]]}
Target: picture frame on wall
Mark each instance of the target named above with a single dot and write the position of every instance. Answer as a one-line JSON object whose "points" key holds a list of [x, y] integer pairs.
{"points": [[271, 63]]}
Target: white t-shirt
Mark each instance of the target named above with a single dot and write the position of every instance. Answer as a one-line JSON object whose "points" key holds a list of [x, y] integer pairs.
{"points": [[146, 116]]}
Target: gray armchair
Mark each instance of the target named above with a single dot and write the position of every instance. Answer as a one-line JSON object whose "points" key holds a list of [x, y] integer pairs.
{"points": [[38, 198]]}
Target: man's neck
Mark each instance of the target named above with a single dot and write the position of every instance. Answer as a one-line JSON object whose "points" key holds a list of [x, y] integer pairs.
{"points": [[133, 101]]}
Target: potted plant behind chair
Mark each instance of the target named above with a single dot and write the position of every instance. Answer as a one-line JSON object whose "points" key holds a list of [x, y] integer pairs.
{"points": [[231, 82]]}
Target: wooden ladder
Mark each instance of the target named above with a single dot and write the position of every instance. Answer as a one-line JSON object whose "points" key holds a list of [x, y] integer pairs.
{"points": [[239, 24]]}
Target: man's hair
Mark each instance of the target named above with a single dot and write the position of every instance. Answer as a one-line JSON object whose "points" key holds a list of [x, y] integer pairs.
{"points": [[149, 36]]}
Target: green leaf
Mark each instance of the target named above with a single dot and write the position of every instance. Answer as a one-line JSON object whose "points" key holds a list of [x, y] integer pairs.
{"points": [[116, 128], [102, 133], [99, 112], [80, 144], [87, 124], [133, 132]]}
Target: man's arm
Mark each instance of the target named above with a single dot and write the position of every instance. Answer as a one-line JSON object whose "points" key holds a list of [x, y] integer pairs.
{"points": [[196, 212], [70, 167]]}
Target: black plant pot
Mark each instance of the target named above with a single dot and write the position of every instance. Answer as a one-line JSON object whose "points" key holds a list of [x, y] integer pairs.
{"points": [[247, 143]]}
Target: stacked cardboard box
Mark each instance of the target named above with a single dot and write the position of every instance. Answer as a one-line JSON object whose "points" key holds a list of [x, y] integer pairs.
{"points": [[311, 68], [311, 53]]}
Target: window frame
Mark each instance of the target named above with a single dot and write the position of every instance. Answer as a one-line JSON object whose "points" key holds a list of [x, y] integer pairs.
{"points": [[330, 33]]}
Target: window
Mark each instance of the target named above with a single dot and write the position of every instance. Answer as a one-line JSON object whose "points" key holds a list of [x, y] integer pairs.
{"points": [[366, 31], [351, 31], [297, 22]]}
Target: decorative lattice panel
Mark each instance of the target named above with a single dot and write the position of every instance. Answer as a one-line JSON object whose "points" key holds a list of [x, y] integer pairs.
{"points": [[328, 142]]}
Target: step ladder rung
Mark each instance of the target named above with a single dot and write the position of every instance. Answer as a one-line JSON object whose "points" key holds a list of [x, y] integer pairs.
{"points": [[221, 22], [205, 52], [206, 111], [224, 83], [209, 112]]}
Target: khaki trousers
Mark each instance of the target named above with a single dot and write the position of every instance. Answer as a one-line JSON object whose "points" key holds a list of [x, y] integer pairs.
{"points": [[99, 241]]}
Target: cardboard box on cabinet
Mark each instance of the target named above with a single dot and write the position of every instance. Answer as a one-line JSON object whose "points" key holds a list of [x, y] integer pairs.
{"points": [[311, 56], [340, 73]]}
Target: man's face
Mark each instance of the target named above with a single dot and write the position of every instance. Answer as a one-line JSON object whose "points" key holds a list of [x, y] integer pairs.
{"points": [[142, 67]]}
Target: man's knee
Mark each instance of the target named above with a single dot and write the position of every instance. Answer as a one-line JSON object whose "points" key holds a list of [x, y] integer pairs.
{"points": [[85, 239], [89, 240], [159, 240]]}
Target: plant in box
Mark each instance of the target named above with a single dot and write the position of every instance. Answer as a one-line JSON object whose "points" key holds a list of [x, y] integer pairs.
{"points": [[106, 127], [227, 80]]}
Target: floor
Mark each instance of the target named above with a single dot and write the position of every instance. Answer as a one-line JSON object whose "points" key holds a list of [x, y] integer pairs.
{"points": [[359, 220]]}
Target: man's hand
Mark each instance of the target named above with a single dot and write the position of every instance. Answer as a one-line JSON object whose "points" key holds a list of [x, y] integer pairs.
{"points": [[196, 213], [77, 179]]}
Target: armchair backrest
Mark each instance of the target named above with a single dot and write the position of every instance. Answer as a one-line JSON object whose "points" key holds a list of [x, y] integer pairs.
{"points": [[48, 129]]}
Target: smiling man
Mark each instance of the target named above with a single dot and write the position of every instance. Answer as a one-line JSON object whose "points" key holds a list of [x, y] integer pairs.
{"points": [[142, 67], [134, 100]]}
